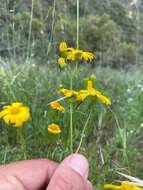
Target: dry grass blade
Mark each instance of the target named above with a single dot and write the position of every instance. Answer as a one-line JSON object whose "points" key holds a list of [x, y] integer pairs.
{"points": [[134, 181]]}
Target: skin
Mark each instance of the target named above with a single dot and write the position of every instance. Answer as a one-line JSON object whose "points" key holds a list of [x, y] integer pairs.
{"points": [[70, 174]]}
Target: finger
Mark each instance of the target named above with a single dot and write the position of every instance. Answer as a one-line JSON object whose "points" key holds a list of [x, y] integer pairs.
{"points": [[31, 175], [89, 186], [71, 174]]}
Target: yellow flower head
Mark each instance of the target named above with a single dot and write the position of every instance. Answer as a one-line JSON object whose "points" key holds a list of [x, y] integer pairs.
{"points": [[73, 54], [15, 114], [112, 187], [90, 91], [82, 94], [68, 93], [54, 129], [57, 106], [63, 46], [124, 186], [87, 56], [61, 62]]}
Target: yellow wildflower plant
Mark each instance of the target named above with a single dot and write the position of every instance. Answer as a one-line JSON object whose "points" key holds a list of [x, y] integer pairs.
{"points": [[15, 114], [54, 129], [90, 91], [74, 54], [57, 106]]}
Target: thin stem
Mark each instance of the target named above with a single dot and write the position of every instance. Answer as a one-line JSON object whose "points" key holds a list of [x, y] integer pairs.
{"points": [[30, 30], [137, 34], [22, 142], [52, 26], [71, 116], [83, 132], [71, 128], [58, 100], [77, 26]]}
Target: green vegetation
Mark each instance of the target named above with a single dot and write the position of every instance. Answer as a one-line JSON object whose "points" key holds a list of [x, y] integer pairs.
{"points": [[30, 35], [113, 137], [35, 28]]}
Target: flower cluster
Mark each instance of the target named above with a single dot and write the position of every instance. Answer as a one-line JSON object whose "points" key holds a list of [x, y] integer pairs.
{"points": [[78, 96], [17, 114], [81, 95], [55, 128], [71, 54]]}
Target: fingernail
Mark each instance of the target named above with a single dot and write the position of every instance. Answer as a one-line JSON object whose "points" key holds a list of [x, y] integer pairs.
{"points": [[79, 164]]}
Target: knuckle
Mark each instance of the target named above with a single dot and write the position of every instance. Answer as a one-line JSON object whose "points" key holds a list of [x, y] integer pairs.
{"points": [[64, 183]]}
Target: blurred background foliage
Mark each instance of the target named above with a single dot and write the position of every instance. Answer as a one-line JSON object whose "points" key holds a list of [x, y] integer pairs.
{"points": [[112, 29]]}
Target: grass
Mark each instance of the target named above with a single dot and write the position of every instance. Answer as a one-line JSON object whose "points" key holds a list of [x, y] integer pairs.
{"points": [[113, 140]]}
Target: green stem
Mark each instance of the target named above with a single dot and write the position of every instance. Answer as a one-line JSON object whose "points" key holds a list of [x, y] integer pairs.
{"points": [[71, 128], [22, 142], [77, 26], [138, 29], [83, 132], [30, 30], [71, 115], [52, 26]]}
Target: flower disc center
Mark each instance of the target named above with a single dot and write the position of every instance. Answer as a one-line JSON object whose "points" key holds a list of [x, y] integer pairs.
{"points": [[15, 110]]}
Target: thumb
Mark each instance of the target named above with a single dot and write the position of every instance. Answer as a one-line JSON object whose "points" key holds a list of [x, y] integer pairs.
{"points": [[71, 174]]}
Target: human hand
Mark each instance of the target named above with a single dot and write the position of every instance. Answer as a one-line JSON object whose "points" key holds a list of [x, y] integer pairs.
{"points": [[70, 174]]}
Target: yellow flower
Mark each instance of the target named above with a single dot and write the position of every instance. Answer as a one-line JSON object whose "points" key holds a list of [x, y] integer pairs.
{"points": [[57, 106], [73, 54], [82, 94], [90, 91], [61, 62], [104, 99], [123, 186], [127, 186], [68, 93], [63, 46], [54, 129], [112, 187], [87, 56], [15, 114]]}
